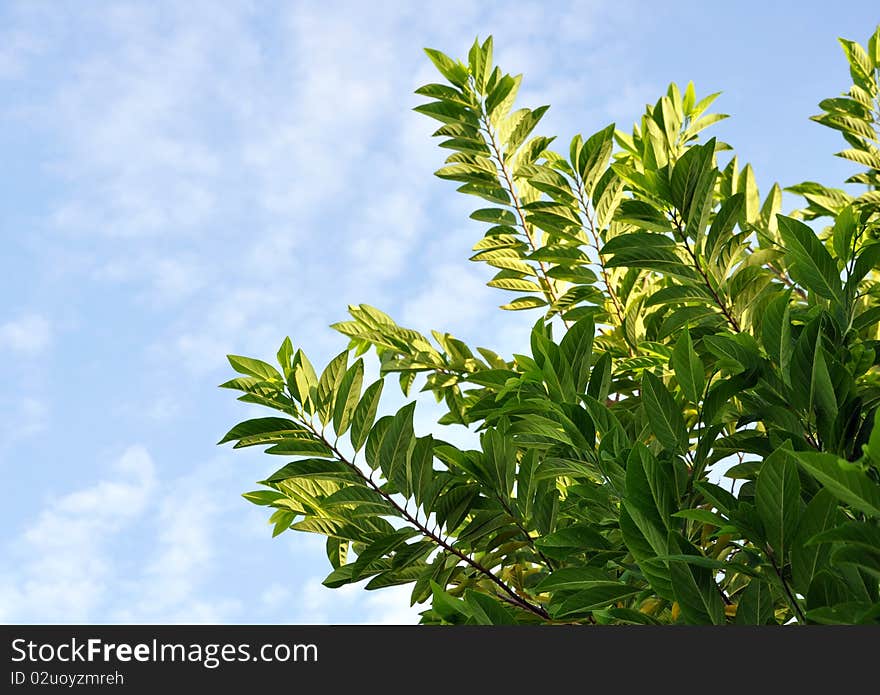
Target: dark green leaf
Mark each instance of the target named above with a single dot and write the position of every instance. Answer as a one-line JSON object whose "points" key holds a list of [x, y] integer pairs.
{"points": [[807, 560], [321, 469], [664, 415], [263, 430], [843, 479], [365, 413], [755, 604], [694, 587], [599, 595], [689, 370], [487, 610], [810, 263], [252, 367], [777, 499], [347, 396]]}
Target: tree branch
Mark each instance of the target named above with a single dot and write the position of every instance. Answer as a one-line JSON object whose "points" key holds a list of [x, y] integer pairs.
{"points": [[720, 302], [799, 614], [618, 308], [435, 537], [511, 190]]}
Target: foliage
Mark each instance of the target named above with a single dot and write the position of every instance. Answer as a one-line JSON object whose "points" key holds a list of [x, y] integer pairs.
{"points": [[699, 327]]}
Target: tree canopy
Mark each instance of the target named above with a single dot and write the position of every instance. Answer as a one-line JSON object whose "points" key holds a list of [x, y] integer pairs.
{"points": [[692, 437]]}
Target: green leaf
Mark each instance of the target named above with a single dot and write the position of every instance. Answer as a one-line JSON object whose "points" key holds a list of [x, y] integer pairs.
{"points": [[300, 446], [776, 330], [646, 250], [337, 551], [752, 199], [777, 499], [281, 520], [843, 479], [483, 523], [810, 263], [577, 348], [500, 461], [642, 215], [647, 505], [444, 93], [320, 469], [874, 47], [592, 159], [694, 587], [302, 381], [514, 129], [807, 560], [873, 448], [362, 501], [843, 232], [600, 378], [599, 595], [735, 353], [634, 241], [845, 613], [420, 469], [498, 103], [263, 497], [521, 303], [514, 285], [365, 413], [494, 216], [755, 604], [396, 577], [572, 540], [861, 67], [689, 370], [328, 385], [808, 360], [285, 355], [487, 610], [691, 184], [379, 548], [396, 444], [449, 112], [348, 394], [853, 533], [453, 71], [449, 608], [262, 430], [664, 415], [704, 516], [646, 554], [252, 367], [721, 229], [864, 559], [569, 578]]}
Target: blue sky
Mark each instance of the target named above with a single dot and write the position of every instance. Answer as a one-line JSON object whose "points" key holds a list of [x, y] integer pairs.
{"points": [[186, 180]]}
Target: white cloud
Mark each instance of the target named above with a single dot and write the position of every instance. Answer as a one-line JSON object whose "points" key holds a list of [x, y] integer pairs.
{"points": [[249, 172], [72, 562], [151, 166], [315, 604], [274, 596], [30, 334], [165, 407], [17, 50], [168, 586], [62, 567], [21, 417], [168, 279], [454, 298]]}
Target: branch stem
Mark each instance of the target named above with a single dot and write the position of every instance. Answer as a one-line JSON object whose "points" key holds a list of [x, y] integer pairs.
{"points": [[514, 597]]}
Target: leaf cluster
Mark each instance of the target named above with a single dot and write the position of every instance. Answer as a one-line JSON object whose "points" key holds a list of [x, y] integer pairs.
{"points": [[693, 435]]}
